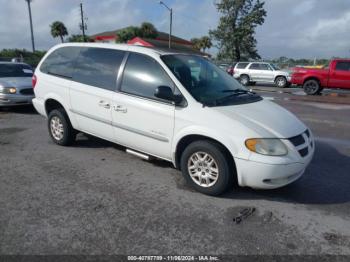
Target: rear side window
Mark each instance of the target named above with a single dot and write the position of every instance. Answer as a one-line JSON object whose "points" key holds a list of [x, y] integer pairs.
{"points": [[61, 62], [255, 66], [98, 67], [342, 66], [142, 75], [242, 65]]}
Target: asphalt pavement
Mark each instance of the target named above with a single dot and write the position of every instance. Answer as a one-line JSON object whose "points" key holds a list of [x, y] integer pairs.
{"points": [[93, 198]]}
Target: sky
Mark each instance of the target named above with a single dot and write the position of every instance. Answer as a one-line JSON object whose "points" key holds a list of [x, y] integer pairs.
{"points": [[292, 28]]}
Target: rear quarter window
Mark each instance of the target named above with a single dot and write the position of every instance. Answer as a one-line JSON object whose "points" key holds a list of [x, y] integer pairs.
{"points": [[241, 65], [98, 67], [61, 62]]}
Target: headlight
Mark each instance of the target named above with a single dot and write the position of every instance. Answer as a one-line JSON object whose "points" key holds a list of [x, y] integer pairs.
{"points": [[8, 90], [12, 90], [266, 146]]}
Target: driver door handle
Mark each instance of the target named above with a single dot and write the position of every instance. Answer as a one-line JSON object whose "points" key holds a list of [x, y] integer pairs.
{"points": [[104, 104]]}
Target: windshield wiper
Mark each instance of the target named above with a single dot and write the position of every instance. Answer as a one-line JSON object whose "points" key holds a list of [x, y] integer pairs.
{"points": [[237, 91]]}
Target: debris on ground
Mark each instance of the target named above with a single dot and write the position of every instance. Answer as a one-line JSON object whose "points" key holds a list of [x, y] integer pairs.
{"points": [[243, 214]]}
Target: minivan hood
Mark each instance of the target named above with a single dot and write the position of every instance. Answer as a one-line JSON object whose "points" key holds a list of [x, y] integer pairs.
{"points": [[16, 81], [266, 118]]}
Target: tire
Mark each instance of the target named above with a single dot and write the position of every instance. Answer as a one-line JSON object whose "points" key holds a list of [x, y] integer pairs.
{"points": [[60, 128], [211, 179], [252, 83], [244, 80], [312, 87], [281, 82]]}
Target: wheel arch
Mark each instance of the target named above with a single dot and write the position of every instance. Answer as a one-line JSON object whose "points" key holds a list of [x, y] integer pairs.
{"points": [[54, 102], [312, 78], [184, 141], [279, 76]]}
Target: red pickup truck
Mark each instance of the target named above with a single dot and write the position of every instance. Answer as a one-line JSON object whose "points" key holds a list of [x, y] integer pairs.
{"points": [[336, 75]]}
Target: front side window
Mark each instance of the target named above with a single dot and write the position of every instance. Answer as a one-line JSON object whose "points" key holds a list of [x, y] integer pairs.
{"points": [[142, 75], [343, 66], [61, 62], [206, 82], [15, 70], [264, 67], [98, 67]]}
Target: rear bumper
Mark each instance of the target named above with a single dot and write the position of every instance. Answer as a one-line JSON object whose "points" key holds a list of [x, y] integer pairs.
{"points": [[39, 106], [15, 99]]}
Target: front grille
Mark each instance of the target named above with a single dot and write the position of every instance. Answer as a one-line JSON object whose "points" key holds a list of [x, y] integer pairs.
{"points": [[27, 91], [302, 143], [303, 152], [297, 140]]}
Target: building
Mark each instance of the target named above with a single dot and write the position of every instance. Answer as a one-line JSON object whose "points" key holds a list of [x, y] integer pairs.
{"points": [[161, 41]]}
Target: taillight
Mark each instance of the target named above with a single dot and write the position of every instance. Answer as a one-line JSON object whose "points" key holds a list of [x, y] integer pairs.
{"points": [[34, 80]]}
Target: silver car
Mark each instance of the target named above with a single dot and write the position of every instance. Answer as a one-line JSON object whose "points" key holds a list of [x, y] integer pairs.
{"points": [[261, 72], [15, 84]]}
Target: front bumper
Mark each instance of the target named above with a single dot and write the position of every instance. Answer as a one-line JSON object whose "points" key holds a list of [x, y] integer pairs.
{"points": [[15, 99], [261, 175]]}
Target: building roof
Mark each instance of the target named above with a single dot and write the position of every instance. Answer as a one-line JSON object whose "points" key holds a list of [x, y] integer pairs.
{"points": [[164, 45], [162, 36]]}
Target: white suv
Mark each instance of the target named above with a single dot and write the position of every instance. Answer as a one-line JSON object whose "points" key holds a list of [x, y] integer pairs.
{"points": [[260, 72], [172, 106]]}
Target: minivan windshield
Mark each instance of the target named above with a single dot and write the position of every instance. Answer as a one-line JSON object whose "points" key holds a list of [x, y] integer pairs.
{"points": [[15, 70], [206, 82]]}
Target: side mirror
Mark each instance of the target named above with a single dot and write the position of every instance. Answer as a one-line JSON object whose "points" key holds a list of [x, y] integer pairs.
{"points": [[165, 92]]}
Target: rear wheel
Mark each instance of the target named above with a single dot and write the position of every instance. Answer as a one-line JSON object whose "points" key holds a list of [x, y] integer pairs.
{"points": [[205, 167], [244, 79], [281, 82], [60, 128], [312, 87]]}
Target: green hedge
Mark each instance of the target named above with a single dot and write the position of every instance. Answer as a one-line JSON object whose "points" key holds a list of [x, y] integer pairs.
{"points": [[28, 57]]}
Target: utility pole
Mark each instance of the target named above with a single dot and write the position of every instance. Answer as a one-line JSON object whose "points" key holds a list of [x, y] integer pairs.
{"points": [[31, 23], [82, 26], [171, 20]]}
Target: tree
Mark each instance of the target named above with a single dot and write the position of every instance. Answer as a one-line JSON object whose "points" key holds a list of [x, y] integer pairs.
{"points": [[206, 43], [146, 30], [235, 32], [201, 43], [58, 29], [79, 38], [196, 43]]}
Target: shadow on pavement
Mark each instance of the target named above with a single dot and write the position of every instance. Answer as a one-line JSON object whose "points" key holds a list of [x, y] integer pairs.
{"points": [[22, 109], [325, 181]]}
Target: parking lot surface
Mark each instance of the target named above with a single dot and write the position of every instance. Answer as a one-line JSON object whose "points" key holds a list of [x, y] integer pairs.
{"points": [[93, 198]]}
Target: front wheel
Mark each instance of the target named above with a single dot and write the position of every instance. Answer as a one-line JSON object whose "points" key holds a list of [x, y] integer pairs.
{"points": [[312, 87], [205, 167], [281, 82]]}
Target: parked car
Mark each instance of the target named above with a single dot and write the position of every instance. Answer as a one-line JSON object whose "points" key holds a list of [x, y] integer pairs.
{"points": [[15, 84], [178, 107], [229, 68], [249, 73], [336, 75]]}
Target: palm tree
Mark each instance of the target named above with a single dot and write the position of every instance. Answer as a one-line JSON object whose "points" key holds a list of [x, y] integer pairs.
{"points": [[58, 29], [206, 43], [148, 30]]}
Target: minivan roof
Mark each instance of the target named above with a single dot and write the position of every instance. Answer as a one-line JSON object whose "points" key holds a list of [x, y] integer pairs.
{"points": [[126, 47]]}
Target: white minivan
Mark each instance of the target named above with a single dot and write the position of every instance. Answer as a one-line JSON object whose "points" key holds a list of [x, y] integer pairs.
{"points": [[174, 106]]}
